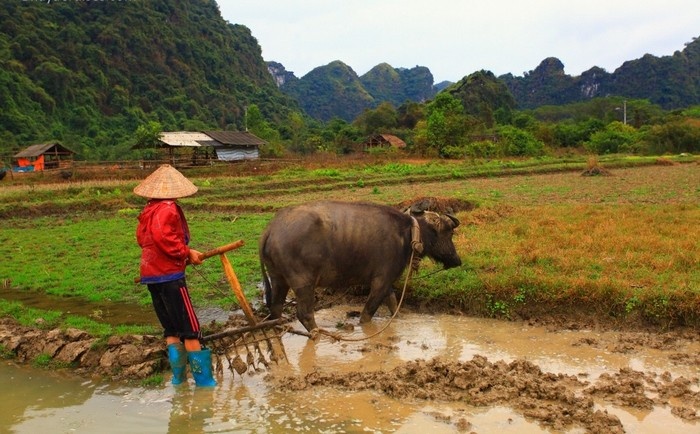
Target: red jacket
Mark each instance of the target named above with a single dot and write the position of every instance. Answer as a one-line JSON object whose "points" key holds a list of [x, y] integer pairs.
{"points": [[163, 235]]}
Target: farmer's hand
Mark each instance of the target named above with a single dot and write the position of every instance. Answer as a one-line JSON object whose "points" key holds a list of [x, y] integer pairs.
{"points": [[195, 257]]}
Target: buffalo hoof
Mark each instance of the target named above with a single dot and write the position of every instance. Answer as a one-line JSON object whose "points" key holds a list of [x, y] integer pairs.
{"points": [[365, 318]]}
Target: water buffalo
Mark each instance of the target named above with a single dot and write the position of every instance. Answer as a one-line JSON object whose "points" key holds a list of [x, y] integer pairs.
{"points": [[336, 244]]}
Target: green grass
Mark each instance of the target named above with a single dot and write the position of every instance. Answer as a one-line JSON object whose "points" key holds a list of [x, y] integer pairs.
{"points": [[542, 237], [49, 319], [28, 316]]}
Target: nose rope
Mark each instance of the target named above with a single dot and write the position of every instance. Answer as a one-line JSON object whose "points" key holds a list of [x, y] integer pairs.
{"points": [[416, 243]]}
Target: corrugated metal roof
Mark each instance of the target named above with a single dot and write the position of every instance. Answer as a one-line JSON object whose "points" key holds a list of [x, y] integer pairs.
{"points": [[36, 150], [240, 138], [186, 139]]}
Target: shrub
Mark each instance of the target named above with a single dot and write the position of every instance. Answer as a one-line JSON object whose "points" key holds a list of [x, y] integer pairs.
{"points": [[519, 143], [614, 138]]}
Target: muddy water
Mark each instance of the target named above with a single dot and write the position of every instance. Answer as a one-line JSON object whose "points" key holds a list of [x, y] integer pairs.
{"points": [[111, 313], [107, 312], [40, 401]]}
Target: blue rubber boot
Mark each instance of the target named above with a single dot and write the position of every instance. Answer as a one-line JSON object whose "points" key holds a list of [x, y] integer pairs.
{"points": [[178, 362], [200, 365]]}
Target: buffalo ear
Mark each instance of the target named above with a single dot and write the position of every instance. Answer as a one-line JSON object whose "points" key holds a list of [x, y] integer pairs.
{"points": [[417, 209], [454, 220], [433, 219], [414, 209]]}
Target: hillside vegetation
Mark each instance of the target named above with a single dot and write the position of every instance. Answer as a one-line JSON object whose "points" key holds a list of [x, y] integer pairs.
{"points": [[98, 77], [671, 82], [89, 73]]}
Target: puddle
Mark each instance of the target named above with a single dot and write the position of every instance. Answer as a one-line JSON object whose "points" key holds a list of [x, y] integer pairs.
{"points": [[49, 401], [111, 313], [108, 312]]}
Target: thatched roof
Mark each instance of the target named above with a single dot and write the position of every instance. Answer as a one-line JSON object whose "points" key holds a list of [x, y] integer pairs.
{"points": [[383, 140]]}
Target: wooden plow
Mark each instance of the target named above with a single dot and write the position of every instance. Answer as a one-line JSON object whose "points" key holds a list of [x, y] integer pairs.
{"points": [[254, 346]]}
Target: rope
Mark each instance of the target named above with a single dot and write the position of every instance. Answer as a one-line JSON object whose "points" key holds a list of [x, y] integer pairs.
{"points": [[398, 307]]}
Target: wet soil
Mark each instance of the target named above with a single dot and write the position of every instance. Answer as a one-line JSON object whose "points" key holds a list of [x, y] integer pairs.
{"points": [[557, 401]]}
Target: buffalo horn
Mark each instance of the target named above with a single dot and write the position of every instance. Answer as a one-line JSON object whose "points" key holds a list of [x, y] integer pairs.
{"points": [[454, 219]]}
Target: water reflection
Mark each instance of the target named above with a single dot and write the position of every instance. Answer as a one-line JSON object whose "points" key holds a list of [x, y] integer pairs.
{"points": [[44, 401]]}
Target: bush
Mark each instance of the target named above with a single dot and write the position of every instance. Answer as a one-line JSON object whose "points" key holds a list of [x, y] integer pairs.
{"points": [[519, 143], [673, 137], [615, 137]]}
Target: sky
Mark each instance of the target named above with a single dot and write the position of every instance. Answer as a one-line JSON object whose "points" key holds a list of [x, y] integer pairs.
{"points": [[455, 38]]}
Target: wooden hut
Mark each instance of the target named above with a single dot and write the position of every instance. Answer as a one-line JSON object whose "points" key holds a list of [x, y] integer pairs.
{"points": [[383, 141], [43, 156]]}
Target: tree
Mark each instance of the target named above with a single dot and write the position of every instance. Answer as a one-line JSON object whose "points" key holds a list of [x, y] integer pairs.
{"points": [[148, 135], [571, 134], [519, 143], [381, 119], [615, 137], [409, 113], [256, 123], [677, 136], [446, 122]]}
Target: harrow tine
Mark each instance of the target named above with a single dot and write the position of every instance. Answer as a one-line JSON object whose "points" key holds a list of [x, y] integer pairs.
{"points": [[256, 345], [219, 364], [276, 345], [228, 359], [250, 360], [238, 364], [261, 359], [261, 346]]}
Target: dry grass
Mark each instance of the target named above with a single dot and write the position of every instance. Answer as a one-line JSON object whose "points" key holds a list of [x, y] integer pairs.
{"points": [[621, 246]]}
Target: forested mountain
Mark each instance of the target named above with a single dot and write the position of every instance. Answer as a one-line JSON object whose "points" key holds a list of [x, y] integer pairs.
{"points": [[335, 90], [89, 73], [483, 96], [329, 91], [398, 85], [669, 81]]}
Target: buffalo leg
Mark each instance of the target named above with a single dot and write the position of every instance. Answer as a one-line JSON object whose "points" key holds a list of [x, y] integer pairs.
{"points": [[391, 303], [305, 307], [277, 299], [377, 296]]}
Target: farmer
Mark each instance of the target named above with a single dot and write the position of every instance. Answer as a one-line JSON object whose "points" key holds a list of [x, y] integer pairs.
{"points": [[163, 235]]}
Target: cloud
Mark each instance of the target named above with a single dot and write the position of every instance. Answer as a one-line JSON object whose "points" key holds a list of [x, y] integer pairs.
{"points": [[457, 37]]}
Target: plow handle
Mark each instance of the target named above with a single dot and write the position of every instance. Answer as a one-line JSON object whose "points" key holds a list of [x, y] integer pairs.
{"points": [[223, 249]]}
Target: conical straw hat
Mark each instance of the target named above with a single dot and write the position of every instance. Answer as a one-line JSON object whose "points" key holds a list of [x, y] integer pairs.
{"points": [[165, 183]]}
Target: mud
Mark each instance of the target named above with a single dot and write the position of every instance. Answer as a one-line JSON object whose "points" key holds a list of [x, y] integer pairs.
{"points": [[557, 401], [119, 357]]}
